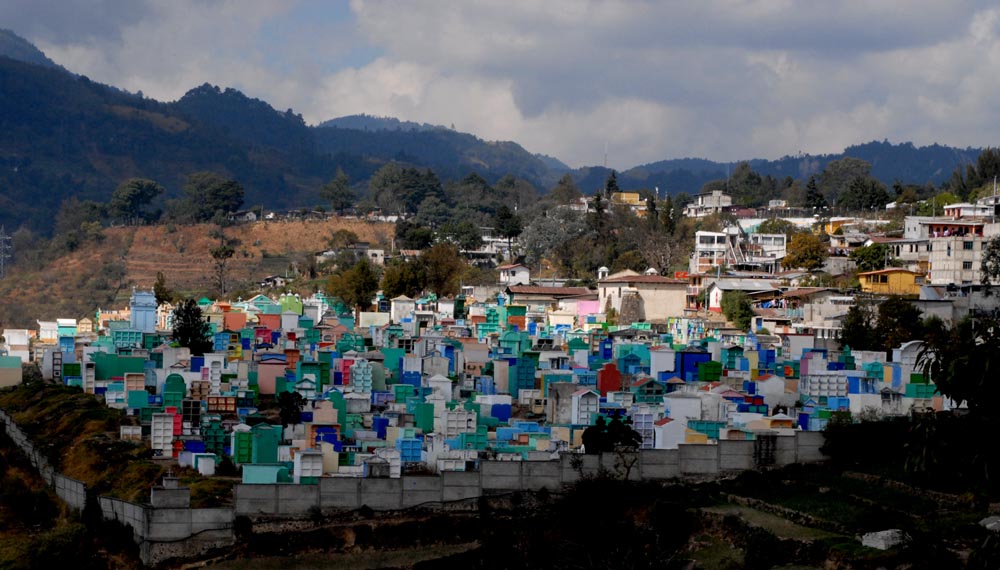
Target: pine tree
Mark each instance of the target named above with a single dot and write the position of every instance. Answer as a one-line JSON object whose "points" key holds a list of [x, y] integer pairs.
{"points": [[814, 198], [190, 329]]}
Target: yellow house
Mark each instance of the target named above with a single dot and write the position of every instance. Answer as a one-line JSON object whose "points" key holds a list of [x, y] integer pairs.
{"points": [[893, 281], [631, 200]]}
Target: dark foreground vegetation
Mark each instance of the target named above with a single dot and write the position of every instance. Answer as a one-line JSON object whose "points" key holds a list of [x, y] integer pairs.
{"points": [[929, 476]]}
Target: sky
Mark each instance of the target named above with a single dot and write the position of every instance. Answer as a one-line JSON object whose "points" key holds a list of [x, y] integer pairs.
{"points": [[633, 81]]}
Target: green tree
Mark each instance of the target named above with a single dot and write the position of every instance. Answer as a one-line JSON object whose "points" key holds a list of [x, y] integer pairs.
{"points": [[963, 362], [443, 267], [341, 239], [934, 206], [355, 286], [552, 236], [976, 176], [130, 200], [629, 260], [383, 186], [161, 291], [806, 251], [290, 408], [814, 197], [864, 193], [990, 265], [77, 222], [668, 216], [221, 254], [871, 257], [565, 191], [432, 212], [207, 194], [857, 328], [611, 184], [507, 224], [403, 277], [898, 321], [415, 186], [190, 329], [778, 226], [338, 193], [737, 308], [464, 234], [836, 178], [410, 235]]}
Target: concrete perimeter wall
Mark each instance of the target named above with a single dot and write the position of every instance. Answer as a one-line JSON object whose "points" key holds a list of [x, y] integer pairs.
{"points": [[165, 533], [162, 534], [333, 494]]}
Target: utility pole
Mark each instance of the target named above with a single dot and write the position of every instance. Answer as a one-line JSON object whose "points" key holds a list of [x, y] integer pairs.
{"points": [[5, 251]]}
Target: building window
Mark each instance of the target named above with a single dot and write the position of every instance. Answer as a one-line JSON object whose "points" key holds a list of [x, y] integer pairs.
{"points": [[883, 278], [966, 265], [967, 245]]}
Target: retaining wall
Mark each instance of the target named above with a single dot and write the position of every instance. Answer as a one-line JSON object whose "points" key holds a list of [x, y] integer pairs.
{"points": [[161, 533], [457, 488], [165, 533]]}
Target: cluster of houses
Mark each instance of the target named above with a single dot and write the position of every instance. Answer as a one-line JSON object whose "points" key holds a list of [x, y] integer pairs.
{"points": [[515, 372], [442, 384]]}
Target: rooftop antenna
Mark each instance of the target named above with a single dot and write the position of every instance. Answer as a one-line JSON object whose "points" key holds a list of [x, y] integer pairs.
{"points": [[605, 154], [5, 251], [994, 216]]}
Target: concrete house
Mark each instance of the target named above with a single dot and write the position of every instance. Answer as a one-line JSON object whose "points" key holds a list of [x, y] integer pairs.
{"points": [[892, 281], [514, 274], [643, 297]]}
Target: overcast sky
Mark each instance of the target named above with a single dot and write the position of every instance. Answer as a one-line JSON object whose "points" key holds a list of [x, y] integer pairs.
{"points": [[720, 79]]}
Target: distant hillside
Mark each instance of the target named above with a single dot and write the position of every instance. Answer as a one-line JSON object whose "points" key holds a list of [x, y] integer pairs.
{"points": [[63, 135], [553, 163], [102, 273], [16, 47], [372, 123], [451, 154], [905, 162], [245, 119]]}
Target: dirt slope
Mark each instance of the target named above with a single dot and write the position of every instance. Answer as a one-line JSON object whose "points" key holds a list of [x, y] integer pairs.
{"points": [[101, 274]]}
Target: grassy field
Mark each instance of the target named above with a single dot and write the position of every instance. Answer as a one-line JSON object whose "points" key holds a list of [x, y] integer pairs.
{"points": [[778, 526], [365, 560]]}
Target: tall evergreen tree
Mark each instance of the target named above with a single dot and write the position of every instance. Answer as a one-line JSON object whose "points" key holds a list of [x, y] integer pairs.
{"points": [[508, 224], [338, 192], [190, 329], [814, 198], [611, 185]]}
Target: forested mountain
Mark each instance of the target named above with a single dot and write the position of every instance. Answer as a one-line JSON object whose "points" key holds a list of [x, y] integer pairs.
{"points": [[904, 162], [372, 123], [16, 47], [63, 135]]}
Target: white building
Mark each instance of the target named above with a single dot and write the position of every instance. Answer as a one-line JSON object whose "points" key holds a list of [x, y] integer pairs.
{"points": [[515, 274], [708, 203], [658, 297]]}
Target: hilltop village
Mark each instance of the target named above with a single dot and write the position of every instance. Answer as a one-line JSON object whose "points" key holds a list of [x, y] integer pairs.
{"points": [[297, 389]]}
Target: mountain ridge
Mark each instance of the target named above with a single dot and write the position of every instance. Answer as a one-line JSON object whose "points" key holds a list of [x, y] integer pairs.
{"points": [[63, 135]]}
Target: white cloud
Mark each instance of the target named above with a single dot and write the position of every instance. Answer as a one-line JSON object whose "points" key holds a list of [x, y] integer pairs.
{"points": [[724, 79]]}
